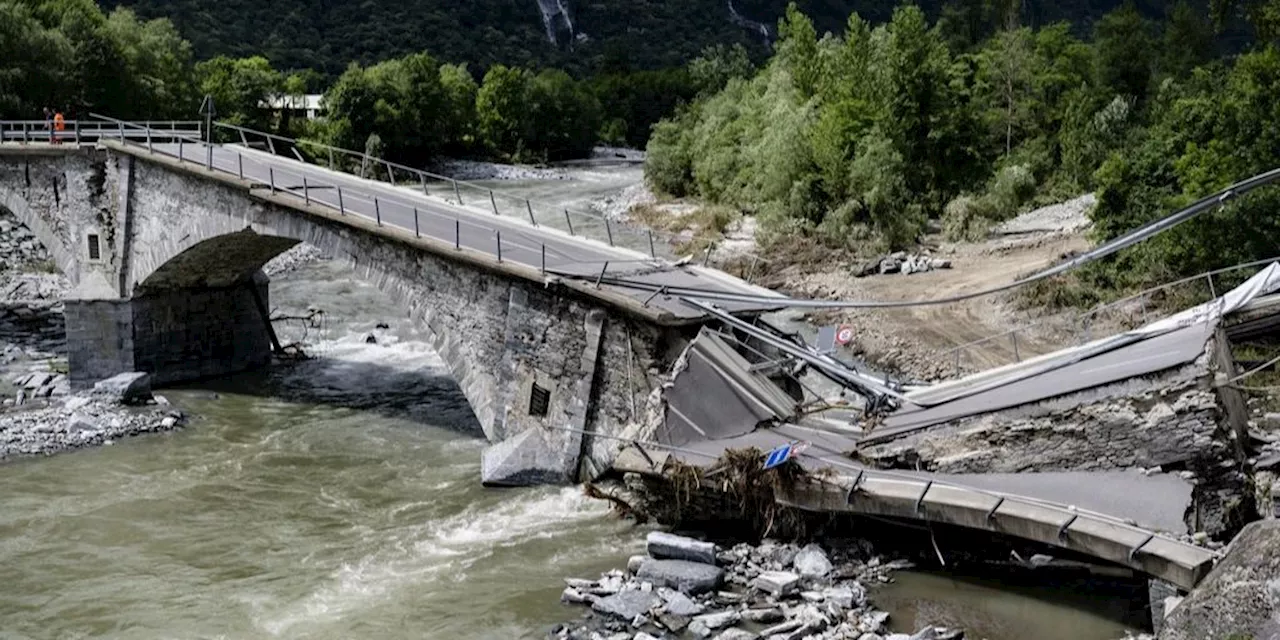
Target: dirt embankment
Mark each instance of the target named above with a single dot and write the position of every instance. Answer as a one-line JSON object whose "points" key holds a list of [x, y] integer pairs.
{"points": [[919, 341]]}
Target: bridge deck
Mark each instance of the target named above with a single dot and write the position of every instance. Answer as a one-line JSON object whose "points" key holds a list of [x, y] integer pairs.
{"points": [[407, 210]]}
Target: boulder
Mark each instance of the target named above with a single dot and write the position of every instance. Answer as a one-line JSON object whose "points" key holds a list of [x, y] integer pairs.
{"points": [[1240, 597], [777, 583], [673, 547], [528, 458], [812, 562], [626, 605], [125, 388], [690, 577]]}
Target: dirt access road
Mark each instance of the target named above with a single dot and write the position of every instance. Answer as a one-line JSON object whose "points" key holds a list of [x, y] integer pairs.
{"points": [[913, 340]]}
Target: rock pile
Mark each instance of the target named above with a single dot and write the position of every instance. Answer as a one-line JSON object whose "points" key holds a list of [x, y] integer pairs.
{"points": [[40, 384], [1065, 217], [86, 419], [904, 263], [18, 246], [689, 588]]}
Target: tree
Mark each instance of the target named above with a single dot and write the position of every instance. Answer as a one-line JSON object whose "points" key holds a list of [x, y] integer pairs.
{"points": [[563, 117], [797, 50], [158, 66], [1188, 40], [501, 108], [1125, 53], [1007, 68], [717, 65], [239, 88], [459, 109], [31, 74], [1264, 15]]}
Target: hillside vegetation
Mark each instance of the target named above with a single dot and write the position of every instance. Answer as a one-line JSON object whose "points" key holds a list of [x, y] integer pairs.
{"points": [[606, 35], [856, 141]]}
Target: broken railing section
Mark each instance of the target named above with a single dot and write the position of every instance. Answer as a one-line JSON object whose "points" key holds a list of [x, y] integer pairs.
{"points": [[880, 393], [716, 393]]}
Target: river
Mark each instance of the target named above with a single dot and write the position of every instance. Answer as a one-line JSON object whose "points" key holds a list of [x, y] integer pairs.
{"points": [[339, 498]]}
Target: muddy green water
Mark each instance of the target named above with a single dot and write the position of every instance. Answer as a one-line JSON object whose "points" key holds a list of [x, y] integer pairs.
{"points": [[339, 499]]}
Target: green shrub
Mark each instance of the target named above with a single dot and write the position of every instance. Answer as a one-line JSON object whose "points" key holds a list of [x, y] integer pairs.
{"points": [[967, 218], [1012, 186]]}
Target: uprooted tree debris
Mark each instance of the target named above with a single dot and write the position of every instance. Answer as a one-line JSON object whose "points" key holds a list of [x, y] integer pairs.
{"points": [[734, 493]]}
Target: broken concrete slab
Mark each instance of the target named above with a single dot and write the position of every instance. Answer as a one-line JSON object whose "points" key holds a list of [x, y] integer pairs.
{"points": [[627, 604], [777, 583], [690, 577], [669, 546]]}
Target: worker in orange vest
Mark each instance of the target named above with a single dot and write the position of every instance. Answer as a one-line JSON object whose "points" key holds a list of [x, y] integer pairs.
{"points": [[59, 125]]}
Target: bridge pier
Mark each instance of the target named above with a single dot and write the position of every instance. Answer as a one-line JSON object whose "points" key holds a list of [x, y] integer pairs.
{"points": [[175, 335]]}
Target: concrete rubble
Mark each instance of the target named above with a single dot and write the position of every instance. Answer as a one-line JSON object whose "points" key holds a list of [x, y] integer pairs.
{"points": [[903, 263], [775, 591]]}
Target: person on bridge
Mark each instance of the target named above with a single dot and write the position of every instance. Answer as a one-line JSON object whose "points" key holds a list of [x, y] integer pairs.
{"points": [[59, 124]]}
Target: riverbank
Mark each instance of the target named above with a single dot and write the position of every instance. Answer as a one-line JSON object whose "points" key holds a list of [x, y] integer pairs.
{"points": [[116, 408], [775, 589]]}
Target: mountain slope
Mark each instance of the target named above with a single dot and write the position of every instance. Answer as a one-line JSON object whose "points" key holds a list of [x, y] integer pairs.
{"points": [[589, 34]]}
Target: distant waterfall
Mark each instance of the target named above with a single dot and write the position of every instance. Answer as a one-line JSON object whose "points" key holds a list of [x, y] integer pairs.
{"points": [[737, 19], [555, 17]]}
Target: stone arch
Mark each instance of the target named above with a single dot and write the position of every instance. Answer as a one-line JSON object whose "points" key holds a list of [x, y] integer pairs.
{"points": [[16, 203], [217, 262], [215, 255]]}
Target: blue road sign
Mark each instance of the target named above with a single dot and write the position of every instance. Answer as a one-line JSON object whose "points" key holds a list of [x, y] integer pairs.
{"points": [[778, 456]]}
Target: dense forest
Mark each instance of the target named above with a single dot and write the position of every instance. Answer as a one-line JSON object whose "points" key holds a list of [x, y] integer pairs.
{"points": [[856, 141], [68, 54], [594, 36]]}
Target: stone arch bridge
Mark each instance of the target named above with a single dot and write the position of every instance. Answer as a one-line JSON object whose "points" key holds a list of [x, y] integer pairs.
{"points": [[165, 259]]}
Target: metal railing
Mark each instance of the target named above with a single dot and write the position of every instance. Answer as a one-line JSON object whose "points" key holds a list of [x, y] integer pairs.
{"points": [[577, 223], [1081, 323], [383, 210], [88, 131]]}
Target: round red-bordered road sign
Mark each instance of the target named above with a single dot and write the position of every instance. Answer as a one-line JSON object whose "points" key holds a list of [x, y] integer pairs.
{"points": [[844, 335]]}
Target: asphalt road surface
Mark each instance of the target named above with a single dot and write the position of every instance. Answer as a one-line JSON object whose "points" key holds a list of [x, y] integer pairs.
{"points": [[518, 240]]}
